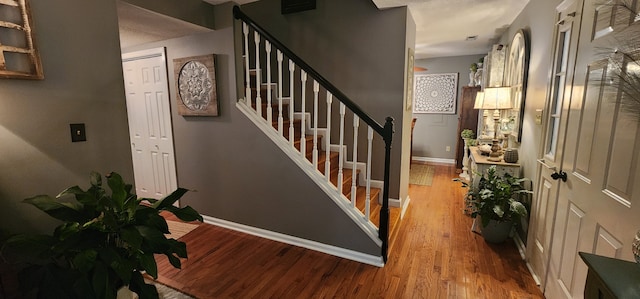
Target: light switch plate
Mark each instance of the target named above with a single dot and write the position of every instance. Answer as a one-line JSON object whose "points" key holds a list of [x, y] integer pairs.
{"points": [[78, 133], [538, 116]]}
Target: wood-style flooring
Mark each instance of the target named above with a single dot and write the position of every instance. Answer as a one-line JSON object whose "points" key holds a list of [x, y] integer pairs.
{"points": [[433, 255]]}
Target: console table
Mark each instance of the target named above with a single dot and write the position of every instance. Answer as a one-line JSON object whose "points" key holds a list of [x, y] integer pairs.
{"points": [[480, 164], [610, 278]]}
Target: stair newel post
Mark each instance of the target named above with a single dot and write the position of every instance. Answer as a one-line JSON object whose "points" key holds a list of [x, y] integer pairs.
{"points": [[316, 90], [327, 150], [292, 68], [280, 119], [267, 48], [247, 91], [341, 151], [256, 38], [354, 165], [383, 227], [303, 143], [368, 178]]}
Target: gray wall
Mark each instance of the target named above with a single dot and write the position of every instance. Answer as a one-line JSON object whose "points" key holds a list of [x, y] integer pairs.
{"points": [[358, 48], [79, 46], [434, 132], [238, 173]]}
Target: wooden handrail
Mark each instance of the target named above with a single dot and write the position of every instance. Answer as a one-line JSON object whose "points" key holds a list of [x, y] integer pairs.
{"points": [[239, 14]]}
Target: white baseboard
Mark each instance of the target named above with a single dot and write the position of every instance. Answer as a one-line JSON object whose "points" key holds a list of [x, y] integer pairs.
{"points": [[434, 160], [523, 254], [405, 206], [296, 241]]}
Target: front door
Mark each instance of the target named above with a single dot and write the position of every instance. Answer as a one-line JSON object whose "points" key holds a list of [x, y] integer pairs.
{"points": [[148, 110], [550, 164], [598, 205]]}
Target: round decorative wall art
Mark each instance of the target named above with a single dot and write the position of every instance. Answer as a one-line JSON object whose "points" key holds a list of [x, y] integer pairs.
{"points": [[435, 93], [196, 86]]}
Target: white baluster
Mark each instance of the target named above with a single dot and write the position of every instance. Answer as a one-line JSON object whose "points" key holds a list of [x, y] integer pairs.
{"points": [[280, 120], [247, 91], [267, 46], [256, 37], [292, 68], [341, 150], [316, 89], [303, 143], [327, 162], [354, 188], [368, 178]]}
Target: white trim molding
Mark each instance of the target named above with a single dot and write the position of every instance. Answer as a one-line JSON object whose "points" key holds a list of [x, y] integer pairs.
{"points": [[296, 241], [434, 160]]}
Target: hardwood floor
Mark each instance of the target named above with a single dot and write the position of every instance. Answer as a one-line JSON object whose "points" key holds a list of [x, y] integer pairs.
{"points": [[434, 255]]}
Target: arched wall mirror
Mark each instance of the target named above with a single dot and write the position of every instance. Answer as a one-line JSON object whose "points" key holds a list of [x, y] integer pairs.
{"points": [[517, 70]]}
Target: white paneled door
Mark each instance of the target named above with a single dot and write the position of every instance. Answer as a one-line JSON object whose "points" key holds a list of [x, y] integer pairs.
{"points": [[550, 164], [598, 206], [148, 109]]}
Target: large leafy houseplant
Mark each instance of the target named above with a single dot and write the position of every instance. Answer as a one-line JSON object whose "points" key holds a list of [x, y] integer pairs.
{"points": [[495, 198], [107, 241]]}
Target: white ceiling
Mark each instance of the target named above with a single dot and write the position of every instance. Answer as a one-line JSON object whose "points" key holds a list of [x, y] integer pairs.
{"points": [[442, 26]]}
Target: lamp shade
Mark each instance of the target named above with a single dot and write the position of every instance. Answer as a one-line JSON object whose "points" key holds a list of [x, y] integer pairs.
{"points": [[497, 98], [479, 100]]}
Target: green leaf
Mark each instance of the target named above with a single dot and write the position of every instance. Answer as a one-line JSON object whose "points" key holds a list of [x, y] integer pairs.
{"points": [[144, 291], [153, 238], [132, 237], [118, 191], [178, 247], [100, 279], [148, 263], [169, 199], [498, 211], [175, 262], [185, 214], [149, 217], [121, 265], [85, 260], [66, 229], [96, 179], [61, 211], [518, 208]]}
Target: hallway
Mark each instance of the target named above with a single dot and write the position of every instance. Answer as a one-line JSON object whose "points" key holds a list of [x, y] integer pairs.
{"points": [[435, 255]]}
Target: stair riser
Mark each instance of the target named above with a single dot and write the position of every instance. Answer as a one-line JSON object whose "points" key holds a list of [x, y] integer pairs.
{"points": [[274, 110]]}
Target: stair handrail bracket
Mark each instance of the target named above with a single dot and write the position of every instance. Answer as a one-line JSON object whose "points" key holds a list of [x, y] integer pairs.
{"points": [[336, 175]]}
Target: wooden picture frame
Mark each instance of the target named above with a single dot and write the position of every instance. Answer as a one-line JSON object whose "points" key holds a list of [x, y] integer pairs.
{"points": [[196, 85], [516, 77], [435, 93]]}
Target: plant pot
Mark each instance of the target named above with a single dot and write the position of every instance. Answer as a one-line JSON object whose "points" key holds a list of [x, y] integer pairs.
{"points": [[125, 293], [497, 231]]}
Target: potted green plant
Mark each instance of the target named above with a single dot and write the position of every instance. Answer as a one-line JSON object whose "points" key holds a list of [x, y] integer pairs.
{"points": [[467, 134], [106, 242], [495, 201]]}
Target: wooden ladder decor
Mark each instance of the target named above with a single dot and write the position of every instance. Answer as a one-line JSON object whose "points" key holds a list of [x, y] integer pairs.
{"points": [[19, 59]]}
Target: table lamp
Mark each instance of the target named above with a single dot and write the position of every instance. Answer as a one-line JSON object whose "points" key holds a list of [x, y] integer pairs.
{"points": [[496, 98]]}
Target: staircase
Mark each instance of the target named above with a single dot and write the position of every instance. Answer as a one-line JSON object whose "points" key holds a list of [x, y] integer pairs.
{"points": [[282, 97], [349, 181]]}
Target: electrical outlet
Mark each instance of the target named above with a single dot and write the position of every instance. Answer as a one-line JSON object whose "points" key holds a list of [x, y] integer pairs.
{"points": [[448, 148]]}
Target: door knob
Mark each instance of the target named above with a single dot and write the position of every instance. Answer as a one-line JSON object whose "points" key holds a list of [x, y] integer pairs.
{"points": [[559, 175]]}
